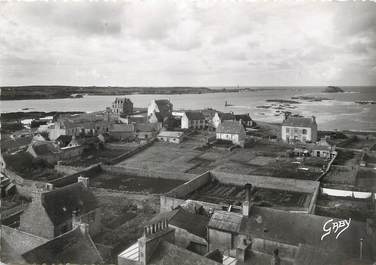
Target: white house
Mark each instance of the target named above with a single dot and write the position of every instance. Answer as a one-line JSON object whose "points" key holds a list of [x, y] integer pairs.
{"points": [[193, 119], [170, 137], [232, 131], [159, 109], [299, 129], [220, 117]]}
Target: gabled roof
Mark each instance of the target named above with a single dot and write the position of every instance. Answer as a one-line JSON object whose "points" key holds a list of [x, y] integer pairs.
{"points": [[225, 116], [65, 139], [231, 127], [170, 254], [193, 223], [299, 122], [226, 221], [243, 117], [60, 203], [72, 247], [164, 106], [195, 115]]}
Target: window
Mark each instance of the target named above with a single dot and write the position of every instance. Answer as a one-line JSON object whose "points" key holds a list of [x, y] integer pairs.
{"points": [[304, 131], [287, 130]]}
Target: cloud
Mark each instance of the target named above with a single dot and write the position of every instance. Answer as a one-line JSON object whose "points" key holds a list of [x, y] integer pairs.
{"points": [[168, 42]]}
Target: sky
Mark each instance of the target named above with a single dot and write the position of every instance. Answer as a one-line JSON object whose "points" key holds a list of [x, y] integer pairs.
{"points": [[187, 43]]}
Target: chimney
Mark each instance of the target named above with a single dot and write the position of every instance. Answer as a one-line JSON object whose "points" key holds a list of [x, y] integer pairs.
{"points": [[314, 119], [76, 219], [49, 186], [153, 235], [36, 196], [84, 228], [247, 202], [84, 181], [287, 114]]}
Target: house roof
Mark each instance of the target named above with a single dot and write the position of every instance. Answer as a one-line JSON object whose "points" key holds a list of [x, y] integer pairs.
{"points": [[193, 223], [226, 221], [122, 128], [243, 117], [145, 127], [72, 247], [299, 122], [298, 228], [60, 203], [122, 100], [43, 148], [170, 254], [226, 116], [170, 134], [231, 127], [164, 106], [195, 115], [65, 139]]}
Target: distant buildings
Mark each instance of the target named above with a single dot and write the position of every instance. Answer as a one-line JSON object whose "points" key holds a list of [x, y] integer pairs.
{"points": [[232, 131], [159, 109], [299, 129], [122, 107], [245, 119], [193, 120]]}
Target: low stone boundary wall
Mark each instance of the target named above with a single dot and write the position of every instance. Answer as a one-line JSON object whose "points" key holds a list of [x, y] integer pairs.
{"points": [[66, 180], [139, 172]]}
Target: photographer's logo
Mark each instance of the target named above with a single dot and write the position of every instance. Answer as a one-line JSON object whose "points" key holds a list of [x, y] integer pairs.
{"points": [[335, 227]]}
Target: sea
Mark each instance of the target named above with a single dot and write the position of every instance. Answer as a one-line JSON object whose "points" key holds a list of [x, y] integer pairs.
{"points": [[340, 111]]}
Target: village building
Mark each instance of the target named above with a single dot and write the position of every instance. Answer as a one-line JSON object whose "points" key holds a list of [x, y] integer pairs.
{"points": [[44, 150], [171, 137], [74, 247], [193, 120], [122, 132], [53, 212], [88, 124], [220, 117], [157, 247], [159, 109], [232, 131], [299, 129], [323, 148], [146, 131], [245, 119], [63, 140], [122, 107]]}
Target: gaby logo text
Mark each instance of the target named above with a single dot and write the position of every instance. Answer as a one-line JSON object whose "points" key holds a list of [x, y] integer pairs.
{"points": [[335, 227]]}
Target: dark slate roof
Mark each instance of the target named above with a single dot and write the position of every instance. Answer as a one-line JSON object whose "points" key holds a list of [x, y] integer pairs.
{"points": [[195, 115], [232, 127], [44, 148], [170, 254], [243, 117], [122, 128], [193, 223], [60, 203], [224, 116], [145, 127], [122, 100], [164, 106], [226, 221], [65, 139], [71, 247], [299, 122], [298, 228]]}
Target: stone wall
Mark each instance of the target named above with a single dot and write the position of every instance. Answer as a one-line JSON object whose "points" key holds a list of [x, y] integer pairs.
{"points": [[66, 180], [287, 184], [25, 187], [139, 172], [190, 186]]}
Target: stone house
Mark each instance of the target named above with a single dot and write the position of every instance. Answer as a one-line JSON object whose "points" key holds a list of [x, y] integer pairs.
{"points": [[159, 109], [219, 117], [232, 131], [299, 129], [193, 120], [122, 106], [171, 137], [53, 212], [245, 119], [122, 132]]}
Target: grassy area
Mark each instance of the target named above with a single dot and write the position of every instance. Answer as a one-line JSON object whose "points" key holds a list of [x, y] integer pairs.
{"points": [[341, 175], [366, 178], [347, 157]]}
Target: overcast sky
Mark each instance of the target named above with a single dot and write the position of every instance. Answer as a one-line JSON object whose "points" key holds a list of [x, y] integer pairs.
{"points": [[193, 43]]}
